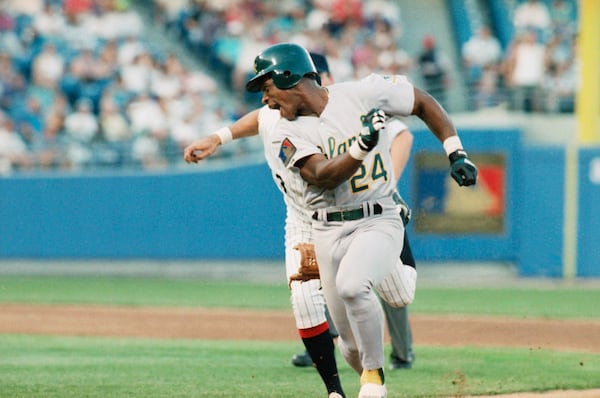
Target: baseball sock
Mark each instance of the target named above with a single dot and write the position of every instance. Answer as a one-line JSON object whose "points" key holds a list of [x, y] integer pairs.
{"points": [[374, 376], [322, 351]]}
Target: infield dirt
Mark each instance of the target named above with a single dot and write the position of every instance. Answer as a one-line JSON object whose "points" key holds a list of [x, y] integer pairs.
{"points": [[202, 323]]}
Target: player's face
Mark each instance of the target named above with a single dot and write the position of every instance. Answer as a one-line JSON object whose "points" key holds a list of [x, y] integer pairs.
{"points": [[286, 101]]}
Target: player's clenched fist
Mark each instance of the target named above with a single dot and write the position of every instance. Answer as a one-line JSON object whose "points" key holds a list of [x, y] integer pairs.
{"points": [[369, 135], [372, 122], [462, 169]]}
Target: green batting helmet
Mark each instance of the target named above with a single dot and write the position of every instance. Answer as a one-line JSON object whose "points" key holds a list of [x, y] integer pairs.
{"points": [[285, 63]]}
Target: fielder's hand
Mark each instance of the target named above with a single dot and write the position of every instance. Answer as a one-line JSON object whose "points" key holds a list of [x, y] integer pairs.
{"points": [[462, 169], [372, 122], [309, 269], [201, 149]]}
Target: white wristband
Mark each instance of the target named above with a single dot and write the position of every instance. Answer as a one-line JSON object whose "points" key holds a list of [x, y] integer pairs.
{"points": [[452, 144], [225, 135], [356, 152]]}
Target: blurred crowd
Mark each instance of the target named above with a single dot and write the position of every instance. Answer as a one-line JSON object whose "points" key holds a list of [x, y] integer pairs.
{"points": [[81, 86], [537, 72]]}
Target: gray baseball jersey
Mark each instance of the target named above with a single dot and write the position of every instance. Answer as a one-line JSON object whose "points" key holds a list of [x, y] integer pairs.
{"points": [[334, 131], [354, 256]]}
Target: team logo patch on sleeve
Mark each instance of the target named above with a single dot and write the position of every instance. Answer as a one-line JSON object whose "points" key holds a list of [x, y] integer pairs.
{"points": [[286, 151]]}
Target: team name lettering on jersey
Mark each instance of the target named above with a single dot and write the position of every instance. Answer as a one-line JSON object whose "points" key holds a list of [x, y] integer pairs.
{"points": [[338, 149]]}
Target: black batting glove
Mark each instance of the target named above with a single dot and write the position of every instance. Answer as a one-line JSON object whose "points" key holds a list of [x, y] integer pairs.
{"points": [[369, 135], [462, 169]]}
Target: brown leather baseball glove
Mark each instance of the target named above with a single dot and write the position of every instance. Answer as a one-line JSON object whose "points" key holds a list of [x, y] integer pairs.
{"points": [[309, 269]]}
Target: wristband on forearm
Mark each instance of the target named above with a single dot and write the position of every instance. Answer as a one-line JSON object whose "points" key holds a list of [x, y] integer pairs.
{"points": [[452, 144], [357, 152], [225, 135]]}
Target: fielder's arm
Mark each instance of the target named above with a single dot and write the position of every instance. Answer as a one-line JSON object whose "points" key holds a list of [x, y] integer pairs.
{"points": [[246, 126], [400, 151]]}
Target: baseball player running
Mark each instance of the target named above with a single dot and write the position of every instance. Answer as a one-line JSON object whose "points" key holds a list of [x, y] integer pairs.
{"points": [[402, 354], [307, 300], [328, 139]]}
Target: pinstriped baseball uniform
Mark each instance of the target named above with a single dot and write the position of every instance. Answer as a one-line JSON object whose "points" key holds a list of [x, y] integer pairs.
{"points": [[308, 303], [357, 228]]}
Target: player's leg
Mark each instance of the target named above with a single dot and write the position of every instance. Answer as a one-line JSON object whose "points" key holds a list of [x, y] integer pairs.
{"points": [[398, 289], [303, 359], [308, 305], [325, 238], [402, 354], [369, 256]]}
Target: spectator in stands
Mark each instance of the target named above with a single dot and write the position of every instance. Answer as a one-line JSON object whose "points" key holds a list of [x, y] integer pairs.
{"points": [[82, 125], [48, 149], [393, 60], [383, 9], [481, 57], [29, 7], [250, 44], [532, 14], [116, 91], [75, 8], [227, 47], [13, 149], [433, 67], [129, 49], [146, 115], [29, 118], [166, 78], [114, 127], [48, 67], [560, 83], [50, 22], [87, 67], [136, 76], [344, 12], [524, 69], [12, 82], [563, 16]]}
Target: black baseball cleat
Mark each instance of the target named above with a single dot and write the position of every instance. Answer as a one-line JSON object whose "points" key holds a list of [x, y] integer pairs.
{"points": [[397, 363], [302, 360]]}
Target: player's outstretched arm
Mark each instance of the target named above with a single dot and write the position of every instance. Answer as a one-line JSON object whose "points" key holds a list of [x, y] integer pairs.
{"points": [[246, 126], [435, 117], [462, 169]]}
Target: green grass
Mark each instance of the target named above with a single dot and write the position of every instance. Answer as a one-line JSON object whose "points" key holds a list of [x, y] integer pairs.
{"points": [[557, 302], [53, 367]]}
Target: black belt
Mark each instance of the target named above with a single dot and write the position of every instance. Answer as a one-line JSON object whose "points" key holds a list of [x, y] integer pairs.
{"points": [[351, 214]]}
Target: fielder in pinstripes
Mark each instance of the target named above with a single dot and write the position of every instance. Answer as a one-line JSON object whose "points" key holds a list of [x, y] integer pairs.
{"points": [[347, 183]]}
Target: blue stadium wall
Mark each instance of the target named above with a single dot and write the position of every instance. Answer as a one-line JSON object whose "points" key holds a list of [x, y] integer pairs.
{"points": [[237, 213]]}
